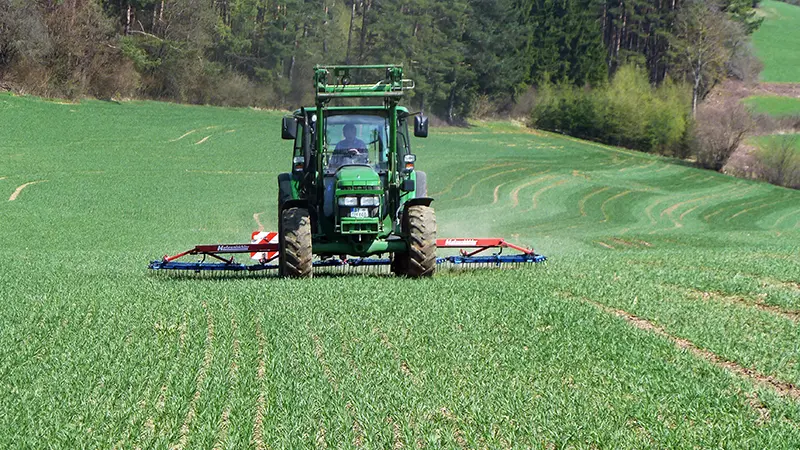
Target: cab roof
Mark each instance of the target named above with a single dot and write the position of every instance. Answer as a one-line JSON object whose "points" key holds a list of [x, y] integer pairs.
{"points": [[400, 109]]}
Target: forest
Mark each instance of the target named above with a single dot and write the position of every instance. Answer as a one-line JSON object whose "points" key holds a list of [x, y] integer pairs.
{"points": [[467, 56]]}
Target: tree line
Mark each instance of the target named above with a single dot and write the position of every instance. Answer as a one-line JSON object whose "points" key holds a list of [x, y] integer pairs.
{"points": [[460, 52]]}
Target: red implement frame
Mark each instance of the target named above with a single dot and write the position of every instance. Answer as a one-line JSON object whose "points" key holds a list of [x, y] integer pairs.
{"points": [[213, 250], [481, 244]]}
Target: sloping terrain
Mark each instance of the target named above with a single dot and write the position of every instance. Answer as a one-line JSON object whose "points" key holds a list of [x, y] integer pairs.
{"points": [[777, 41], [667, 315]]}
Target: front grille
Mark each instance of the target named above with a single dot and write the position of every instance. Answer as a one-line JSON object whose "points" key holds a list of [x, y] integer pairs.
{"points": [[360, 228]]}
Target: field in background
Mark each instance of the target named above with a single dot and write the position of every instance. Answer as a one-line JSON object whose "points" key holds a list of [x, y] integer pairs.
{"points": [[773, 105], [659, 275], [777, 41], [772, 140]]}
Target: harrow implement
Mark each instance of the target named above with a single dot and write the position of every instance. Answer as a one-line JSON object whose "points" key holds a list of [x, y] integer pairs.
{"points": [[264, 250]]}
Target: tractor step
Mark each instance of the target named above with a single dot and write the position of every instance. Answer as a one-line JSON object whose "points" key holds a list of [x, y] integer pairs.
{"points": [[264, 249]]}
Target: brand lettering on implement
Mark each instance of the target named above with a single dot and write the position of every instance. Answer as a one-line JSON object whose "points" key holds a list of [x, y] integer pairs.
{"points": [[232, 248], [461, 242]]}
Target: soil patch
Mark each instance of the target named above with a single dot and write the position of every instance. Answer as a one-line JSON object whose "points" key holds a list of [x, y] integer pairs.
{"points": [[20, 188], [256, 217]]}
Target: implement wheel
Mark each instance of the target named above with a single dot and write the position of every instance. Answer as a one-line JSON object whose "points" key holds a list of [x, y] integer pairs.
{"points": [[295, 244], [420, 224]]}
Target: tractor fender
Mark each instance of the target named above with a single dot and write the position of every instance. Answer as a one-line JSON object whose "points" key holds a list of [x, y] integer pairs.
{"points": [[284, 189], [424, 201], [295, 203]]}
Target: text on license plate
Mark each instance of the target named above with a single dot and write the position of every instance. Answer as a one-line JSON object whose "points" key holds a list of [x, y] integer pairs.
{"points": [[359, 213]]}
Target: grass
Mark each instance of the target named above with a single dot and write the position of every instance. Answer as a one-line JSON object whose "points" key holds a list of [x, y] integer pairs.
{"points": [[777, 41], [97, 352], [773, 105], [765, 142]]}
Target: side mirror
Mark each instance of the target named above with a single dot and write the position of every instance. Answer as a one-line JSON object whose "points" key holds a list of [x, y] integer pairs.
{"points": [[289, 128], [420, 126]]}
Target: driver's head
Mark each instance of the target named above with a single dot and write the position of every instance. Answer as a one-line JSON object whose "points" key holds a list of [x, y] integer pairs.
{"points": [[349, 131]]}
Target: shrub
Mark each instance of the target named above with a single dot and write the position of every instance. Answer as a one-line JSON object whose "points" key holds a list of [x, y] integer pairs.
{"points": [[628, 112], [779, 161], [719, 131]]}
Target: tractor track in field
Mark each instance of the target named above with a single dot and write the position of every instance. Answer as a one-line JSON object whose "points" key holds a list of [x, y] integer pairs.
{"points": [[582, 202], [608, 200], [496, 192], [757, 303], [357, 428], [784, 217], [649, 210], [455, 181], [537, 194], [458, 433], [397, 433], [233, 375], [472, 188], [719, 211], [226, 172], [319, 353], [149, 427], [783, 388], [184, 135], [747, 210], [203, 140], [643, 166], [202, 373], [515, 193], [668, 166], [671, 209], [261, 403], [19, 189], [402, 364]]}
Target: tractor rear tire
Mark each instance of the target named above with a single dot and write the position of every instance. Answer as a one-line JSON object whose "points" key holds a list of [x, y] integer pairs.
{"points": [[420, 224], [295, 244]]}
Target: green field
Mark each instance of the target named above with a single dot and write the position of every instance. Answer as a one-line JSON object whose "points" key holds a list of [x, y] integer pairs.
{"points": [[95, 352], [774, 105], [778, 40], [764, 142]]}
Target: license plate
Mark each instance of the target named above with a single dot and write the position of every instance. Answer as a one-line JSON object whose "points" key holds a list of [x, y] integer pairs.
{"points": [[359, 213]]}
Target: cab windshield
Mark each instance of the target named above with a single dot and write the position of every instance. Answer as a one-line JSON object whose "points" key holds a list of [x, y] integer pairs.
{"points": [[356, 139]]}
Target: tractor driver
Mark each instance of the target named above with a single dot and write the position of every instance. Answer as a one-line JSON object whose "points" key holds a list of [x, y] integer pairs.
{"points": [[350, 150]]}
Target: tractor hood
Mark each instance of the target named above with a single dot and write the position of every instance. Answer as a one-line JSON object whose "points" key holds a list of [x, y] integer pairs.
{"points": [[358, 177]]}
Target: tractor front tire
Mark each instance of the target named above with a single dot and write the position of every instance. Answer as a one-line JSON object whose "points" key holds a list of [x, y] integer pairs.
{"points": [[399, 264], [420, 224], [295, 244]]}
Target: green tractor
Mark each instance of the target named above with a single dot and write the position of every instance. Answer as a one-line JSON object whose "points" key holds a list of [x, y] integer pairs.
{"points": [[353, 189]]}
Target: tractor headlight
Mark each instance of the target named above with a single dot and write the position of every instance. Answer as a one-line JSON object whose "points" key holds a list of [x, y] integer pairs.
{"points": [[348, 201], [372, 200]]}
